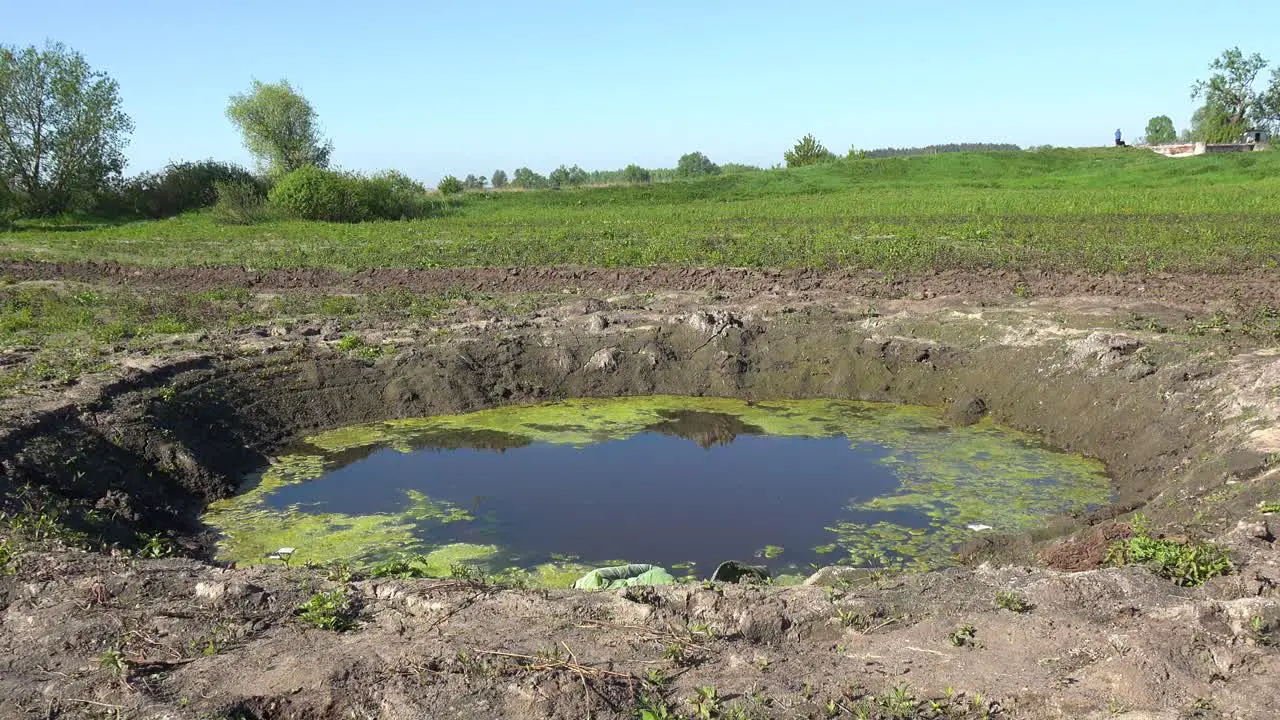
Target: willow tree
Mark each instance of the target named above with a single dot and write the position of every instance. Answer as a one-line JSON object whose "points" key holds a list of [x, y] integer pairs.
{"points": [[280, 128]]}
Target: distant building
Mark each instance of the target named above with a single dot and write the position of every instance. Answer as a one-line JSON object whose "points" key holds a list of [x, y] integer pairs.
{"points": [[1254, 137]]}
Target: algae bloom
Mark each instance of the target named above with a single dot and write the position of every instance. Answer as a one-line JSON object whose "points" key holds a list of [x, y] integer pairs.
{"points": [[544, 492]]}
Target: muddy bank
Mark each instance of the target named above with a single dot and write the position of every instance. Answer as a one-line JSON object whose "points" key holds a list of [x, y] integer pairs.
{"points": [[1186, 426], [157, 444], [1247, 288]]}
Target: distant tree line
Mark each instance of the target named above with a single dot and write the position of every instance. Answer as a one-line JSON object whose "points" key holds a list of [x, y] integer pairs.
{"points": [[63, 132], [936, 149]]}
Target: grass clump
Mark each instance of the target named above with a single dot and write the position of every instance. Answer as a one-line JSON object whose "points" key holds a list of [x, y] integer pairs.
{"points": [[331, 610], [1012, 601], [401, 568], [1187, 563], [8, 556], [963, 636]]}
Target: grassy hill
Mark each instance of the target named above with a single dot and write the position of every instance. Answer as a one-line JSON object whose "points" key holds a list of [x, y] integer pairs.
{"points": [[1107, 209]]}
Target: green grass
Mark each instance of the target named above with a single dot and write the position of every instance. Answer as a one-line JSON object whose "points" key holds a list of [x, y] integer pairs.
{"points": [[68, 330], [1186, 563], [1102, 210], [331, 610]]}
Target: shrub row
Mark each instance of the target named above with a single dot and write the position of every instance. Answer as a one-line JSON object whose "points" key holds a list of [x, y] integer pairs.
{"points": [[310, 193]]}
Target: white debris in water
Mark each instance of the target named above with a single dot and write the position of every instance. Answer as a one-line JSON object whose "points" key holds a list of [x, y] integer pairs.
{"points": [[978, 527]]}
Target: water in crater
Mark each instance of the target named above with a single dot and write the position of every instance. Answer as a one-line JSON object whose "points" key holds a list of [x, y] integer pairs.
{"points": [[547, 491]]}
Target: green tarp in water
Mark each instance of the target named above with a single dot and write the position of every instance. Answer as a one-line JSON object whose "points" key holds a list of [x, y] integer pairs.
{"points": [[620, 576]]}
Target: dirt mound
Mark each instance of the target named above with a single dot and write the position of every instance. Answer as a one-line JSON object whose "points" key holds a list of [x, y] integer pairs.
{"points": [[1086, 550]]}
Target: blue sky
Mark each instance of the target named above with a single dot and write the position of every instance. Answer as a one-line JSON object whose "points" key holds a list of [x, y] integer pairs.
{"points": [[451, 87]]}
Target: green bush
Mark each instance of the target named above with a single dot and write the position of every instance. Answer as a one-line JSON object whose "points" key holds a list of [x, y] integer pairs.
{"points": [[450, 185], [310, 193], [391, 195], [181, 187], [239, 203]]}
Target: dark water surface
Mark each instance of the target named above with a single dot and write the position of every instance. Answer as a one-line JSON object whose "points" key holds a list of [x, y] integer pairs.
{"points": [[663, 480], [650, 498]]}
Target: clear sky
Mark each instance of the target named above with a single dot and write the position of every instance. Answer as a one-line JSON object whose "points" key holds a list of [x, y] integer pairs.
{"points": [[462, 87]]}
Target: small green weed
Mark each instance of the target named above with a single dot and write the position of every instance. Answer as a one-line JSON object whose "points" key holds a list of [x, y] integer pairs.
{"points": [[331, 610], [703, 629], [339, 572], [1012, 601], [656, 677], [653, 708], [156, 546], [349, 343], [706, 703], [1261, 632], [401, 568], [1186, 563], [963, 636], [1269, 507], [114, 662], [462, 571], [678, 654], [8, 556]]}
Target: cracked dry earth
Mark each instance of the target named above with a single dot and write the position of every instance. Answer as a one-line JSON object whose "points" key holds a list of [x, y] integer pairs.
{"points": [[1185, 421]]}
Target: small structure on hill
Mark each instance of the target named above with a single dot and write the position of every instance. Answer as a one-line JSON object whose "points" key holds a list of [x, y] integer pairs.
{"points": [[1249, 141], [1255, 137]]}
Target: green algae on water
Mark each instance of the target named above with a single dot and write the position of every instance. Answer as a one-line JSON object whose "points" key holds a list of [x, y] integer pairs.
{"points": [[950, 481]]}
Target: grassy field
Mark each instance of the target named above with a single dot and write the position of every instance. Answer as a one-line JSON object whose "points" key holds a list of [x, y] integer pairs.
{"points": [[1101, 210]]}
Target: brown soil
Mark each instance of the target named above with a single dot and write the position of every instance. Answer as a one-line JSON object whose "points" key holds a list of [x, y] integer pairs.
{"points": [[1186, 425], [1086, 550], [1256, 287]]}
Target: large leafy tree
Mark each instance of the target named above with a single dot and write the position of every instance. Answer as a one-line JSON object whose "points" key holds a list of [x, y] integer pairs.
{"points": [[1232, 97], [62, 129], [1211, 124], [695, 164], [807, 151], [279, 127], [499, 178], [1160, 130]]}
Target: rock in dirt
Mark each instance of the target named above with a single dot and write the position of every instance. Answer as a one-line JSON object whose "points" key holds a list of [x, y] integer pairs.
{"points": [[709, 322], [1105, 351], [218, 593], [966, 409], [1135, 371], [588, 306], [834, 575], [597, 323], [734, 571], [604, 360]]}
